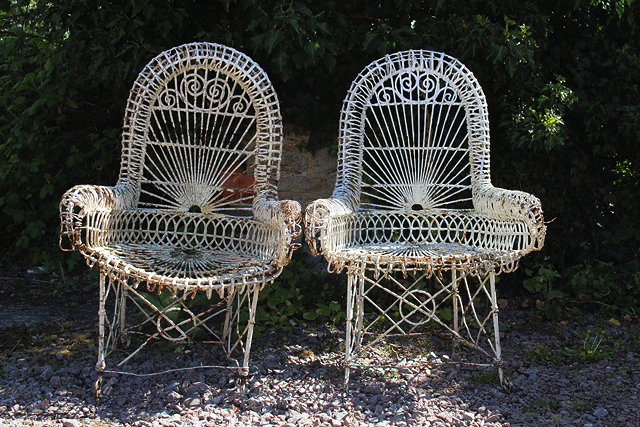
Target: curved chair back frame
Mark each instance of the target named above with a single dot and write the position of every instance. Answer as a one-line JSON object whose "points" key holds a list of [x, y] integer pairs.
{"points": [[399, 120], [181, 125]]}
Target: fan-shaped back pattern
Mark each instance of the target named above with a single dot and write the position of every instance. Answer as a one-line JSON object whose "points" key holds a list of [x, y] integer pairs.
{"points": [[202, 130], [414, 134]]}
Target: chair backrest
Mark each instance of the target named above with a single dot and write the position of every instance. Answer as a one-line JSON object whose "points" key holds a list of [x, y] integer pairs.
{"points": [[414, 134], [202, 132]]}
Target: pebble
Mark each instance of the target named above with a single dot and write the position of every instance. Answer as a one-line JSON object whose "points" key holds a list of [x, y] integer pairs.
{"points": [[468, 416], [54, 381], [192, 401], [600, 412]]}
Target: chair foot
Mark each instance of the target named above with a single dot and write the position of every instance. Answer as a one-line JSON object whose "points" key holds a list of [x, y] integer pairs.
{"points": [[347, 373], [505, 383], [243, 380], [97, 387], [504, 380]]}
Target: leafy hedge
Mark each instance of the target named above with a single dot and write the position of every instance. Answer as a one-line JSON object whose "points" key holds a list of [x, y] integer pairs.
{"points": [[561, 80]]}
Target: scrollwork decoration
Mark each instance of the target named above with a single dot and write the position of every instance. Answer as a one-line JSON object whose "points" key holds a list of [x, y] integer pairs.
{"points": [[168, 98], [415, 86], [239, 104]]}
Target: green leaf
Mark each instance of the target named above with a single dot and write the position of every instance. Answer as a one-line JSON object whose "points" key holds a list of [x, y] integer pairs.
{"points": [[273, 38], [310, 315], [368, 38], [293, 23], [46, 190]]}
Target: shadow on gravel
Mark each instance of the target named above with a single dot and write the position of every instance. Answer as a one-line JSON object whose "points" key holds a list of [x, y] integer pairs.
{"points": [[574, 371]]}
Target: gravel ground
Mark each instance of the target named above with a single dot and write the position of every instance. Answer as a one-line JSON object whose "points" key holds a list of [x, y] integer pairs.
{"points": [[583, 371]]}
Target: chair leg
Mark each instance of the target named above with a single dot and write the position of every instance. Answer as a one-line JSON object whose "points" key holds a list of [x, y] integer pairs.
{"points": [[227, 328], [354, 320], [349, 327], [496, 326], [359, 300], [455, 309], [253, 302], [102, 314], [122, 315]]}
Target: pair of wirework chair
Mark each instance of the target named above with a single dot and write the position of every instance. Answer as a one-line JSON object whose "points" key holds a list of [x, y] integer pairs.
{"points": [[196, 211]]}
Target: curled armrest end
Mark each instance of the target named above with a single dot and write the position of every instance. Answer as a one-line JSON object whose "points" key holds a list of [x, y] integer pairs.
{"points": [[82, 200], [316, 216], [286, 214], [512, 205]]}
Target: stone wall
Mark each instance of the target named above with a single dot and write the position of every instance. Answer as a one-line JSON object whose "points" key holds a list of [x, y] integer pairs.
{"points": [[305, 176]]}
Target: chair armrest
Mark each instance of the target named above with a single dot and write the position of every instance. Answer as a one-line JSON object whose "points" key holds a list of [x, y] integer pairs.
{"points": [[504, 204], [83, 200], [317, 216], [286, 215]]}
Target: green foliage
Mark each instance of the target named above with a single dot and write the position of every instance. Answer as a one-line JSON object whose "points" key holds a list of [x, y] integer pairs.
{"points": [[281, 306], [591, 347], [603, 284], [541, 120], [586, 345], [542, 353], [537, 405], [175, 316], [488, 377], [540, 282], [601, 280], [588, 348], [560, 80], [300, 295], [331, 311]]}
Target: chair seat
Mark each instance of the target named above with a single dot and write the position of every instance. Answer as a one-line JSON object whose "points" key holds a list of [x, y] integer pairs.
{"points": [[439, 256], [186, 268]]}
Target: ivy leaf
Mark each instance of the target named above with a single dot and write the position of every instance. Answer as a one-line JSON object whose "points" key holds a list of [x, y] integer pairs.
{"points": [[272, 39], [46, 190]]}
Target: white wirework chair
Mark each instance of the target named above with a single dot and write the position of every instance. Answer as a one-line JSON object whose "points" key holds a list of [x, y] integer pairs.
{"points": [[195, 209], [413, 201]]}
